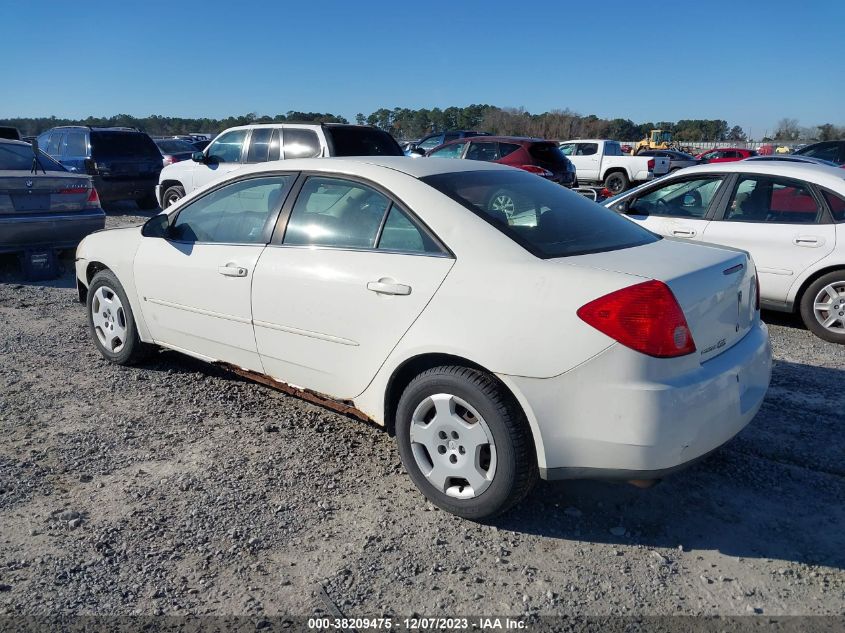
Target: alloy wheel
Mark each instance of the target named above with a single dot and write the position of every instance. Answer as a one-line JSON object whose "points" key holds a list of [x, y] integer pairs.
{"points": [[829, 307], [109, 319]]}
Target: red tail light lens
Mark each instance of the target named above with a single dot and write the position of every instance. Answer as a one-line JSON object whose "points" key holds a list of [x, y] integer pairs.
{"points": [[167, 160], [756, 291], [651, 164], [93, 198], [645, 317], [534, 169]]}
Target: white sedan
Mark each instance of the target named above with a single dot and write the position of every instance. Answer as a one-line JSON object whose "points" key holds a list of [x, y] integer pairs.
{"points": [[789, 216], [561, 341]]}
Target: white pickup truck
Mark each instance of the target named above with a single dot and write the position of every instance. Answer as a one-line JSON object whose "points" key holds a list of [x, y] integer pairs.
{"points": [[600, 161]]}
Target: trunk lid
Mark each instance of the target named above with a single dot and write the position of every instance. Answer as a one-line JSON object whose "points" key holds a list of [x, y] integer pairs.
{"points": [[24, 193], [715, 286]]}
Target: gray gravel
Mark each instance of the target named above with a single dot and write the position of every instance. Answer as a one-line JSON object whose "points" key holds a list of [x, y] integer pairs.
{"points": [[176, 488]]}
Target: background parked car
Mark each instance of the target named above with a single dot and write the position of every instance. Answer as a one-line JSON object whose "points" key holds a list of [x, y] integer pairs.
{"points": [[200, 145], [834, 151], [238, 146], [124, 162], [537, 156], [429, 142], [173, 150], [789, 216], [49, 208], [677, 160], [10, 133], [725, 155], [793, 158], [601, 161]]}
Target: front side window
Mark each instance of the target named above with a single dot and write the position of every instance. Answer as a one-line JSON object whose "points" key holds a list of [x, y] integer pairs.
{"points": [[431, 142], [401, 233], [259, 145], [772, 200], [568, 149], [227, 147], [586, 149], [480, 150], [544, 218], [300, 143], [240, 213], [449, 151], [336, 212], [685, 199]]}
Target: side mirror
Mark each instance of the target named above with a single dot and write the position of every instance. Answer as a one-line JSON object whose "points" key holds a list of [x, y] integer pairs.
{"points": [[157, 226], [198, 157], [416, 151]]}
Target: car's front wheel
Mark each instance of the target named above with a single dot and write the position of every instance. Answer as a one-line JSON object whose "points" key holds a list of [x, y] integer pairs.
{"points": [[172, 195], [111, 322], [823, 307], [465, 442]]}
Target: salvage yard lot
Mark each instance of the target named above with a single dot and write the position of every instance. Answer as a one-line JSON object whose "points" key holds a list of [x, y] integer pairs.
{"points": [[176, 487]]}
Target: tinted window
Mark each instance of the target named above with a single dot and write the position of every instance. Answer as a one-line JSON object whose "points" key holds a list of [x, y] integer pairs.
{"points": [[227, 147], [824, 151], [400, 233], [431, 142], [449, 151], [586, 149], [335, 212], [546, 153], [300, 143], [239, 213], [451, 136], [363, 141], [612, 149], [775, 200], [481, 150], [134, 144], [19, 157], [546, 219], [54, 143], [837, 206], [259, 145], [509, 148], [174, 146], [75, 144], [685, 198]]}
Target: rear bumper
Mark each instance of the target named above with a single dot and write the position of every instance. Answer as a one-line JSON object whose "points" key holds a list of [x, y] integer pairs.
{"points": [[566, 178], [621, 415], [129, 189], [48, 230]]}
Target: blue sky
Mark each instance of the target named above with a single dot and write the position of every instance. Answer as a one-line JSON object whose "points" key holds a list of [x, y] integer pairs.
{"points": [[750, 62]]}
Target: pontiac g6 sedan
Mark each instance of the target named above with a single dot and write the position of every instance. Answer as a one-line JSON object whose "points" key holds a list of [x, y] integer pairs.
{"points": [[559, 340]]}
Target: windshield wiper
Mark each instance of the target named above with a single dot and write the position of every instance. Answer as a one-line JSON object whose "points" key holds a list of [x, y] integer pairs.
{"points": [[36, 159]]}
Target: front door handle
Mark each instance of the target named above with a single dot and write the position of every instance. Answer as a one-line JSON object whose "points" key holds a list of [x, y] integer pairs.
{"points": [[810, 241], [386, 286], [232, 270], [683, 232]]}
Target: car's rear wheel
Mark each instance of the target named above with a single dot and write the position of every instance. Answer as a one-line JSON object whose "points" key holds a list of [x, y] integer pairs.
{"points": [[465, 442], [616, 182], [172, 195], [823, 307], [111, 322]]}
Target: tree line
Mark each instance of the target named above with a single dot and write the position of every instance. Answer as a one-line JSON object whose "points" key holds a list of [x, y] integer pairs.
{"points": [[406, 124]]}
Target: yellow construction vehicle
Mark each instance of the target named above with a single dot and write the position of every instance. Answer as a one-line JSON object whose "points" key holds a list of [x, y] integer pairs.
{"points": [[657, 139]]}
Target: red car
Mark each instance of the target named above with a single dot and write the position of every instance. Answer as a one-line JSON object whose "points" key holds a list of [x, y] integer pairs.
{"points": [[725, 155], [540, 157]]}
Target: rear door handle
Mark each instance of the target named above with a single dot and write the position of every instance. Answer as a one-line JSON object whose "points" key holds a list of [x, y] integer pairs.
{"points": [[810, 241], [683, 232], [385, 286], [232, 270]]}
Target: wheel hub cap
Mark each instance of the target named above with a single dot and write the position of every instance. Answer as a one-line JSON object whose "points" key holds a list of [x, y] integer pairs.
{"points": [[109, 319], [829, 307]]}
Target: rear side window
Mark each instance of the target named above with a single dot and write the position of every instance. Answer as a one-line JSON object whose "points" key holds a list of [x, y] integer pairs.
{"points": [[364, 141], [134, 144], [770, 199], [544, 218], [546, 153], [509, 148], [75, 145], [612, 149], [259, 145], [400, 233], [300, 143], [483, 150], [837, 206]]}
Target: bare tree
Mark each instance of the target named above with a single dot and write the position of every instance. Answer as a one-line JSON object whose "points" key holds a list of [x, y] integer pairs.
{"points": [[787, 130]]}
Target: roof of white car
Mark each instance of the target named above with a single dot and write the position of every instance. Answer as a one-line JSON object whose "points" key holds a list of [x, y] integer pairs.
{"points": [[415, 167], [818, 174]]}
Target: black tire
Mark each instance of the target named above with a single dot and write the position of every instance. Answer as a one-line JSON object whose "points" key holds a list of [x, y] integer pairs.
{"points": [[148, 202], [616, 182], [503, 204], [171, 195], [808, 314], [516, 469], [132, 350]]}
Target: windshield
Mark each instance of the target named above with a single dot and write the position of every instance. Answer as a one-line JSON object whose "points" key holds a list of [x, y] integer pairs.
{"points": [[547, 153], [362, 141], [19, 157], [546, 219], [134, 144]]}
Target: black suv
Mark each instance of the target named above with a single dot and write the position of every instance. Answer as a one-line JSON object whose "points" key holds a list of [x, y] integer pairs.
{"points": [[123, 162]]}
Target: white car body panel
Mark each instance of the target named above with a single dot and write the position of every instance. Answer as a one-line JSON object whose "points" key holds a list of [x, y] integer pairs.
{"points": [[488, 301], [595, 167]]}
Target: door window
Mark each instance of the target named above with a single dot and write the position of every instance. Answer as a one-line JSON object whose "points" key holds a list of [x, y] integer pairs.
{"points": [[824, 151], [450, 151], [685, 198], [259, 145], [74, 144], [485, 151], [431, 142], [227, 147], [586, 149], [774, 200], [240, 213], [509, 148], [837, 206], [300, 143], [401, 233], [336, 212], [54, 143]]}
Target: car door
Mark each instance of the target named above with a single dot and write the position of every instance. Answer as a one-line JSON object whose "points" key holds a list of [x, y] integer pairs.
{"points": [[587, 161], [679, 207], [781, 222], [195, 284], [334, 295], [222, 156]]}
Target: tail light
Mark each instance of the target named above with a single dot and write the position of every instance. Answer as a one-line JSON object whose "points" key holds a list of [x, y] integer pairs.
{"points": [[167, 160], [756, 291], [606, 193], [651, 164], [93, 198], [534, 169], [645, 317]]}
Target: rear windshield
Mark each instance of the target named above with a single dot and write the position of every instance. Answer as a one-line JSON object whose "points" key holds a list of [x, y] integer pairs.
{"points": [[547, 153], [546, 219], [175, 146], [134, 144], [19, 157], [358, 141]]}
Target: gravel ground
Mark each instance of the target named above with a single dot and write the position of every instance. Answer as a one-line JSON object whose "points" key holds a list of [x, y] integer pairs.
{"points": [[176, 488]]}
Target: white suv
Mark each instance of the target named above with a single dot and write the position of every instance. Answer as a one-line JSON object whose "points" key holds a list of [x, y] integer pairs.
{"points": [[246, 144]]}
